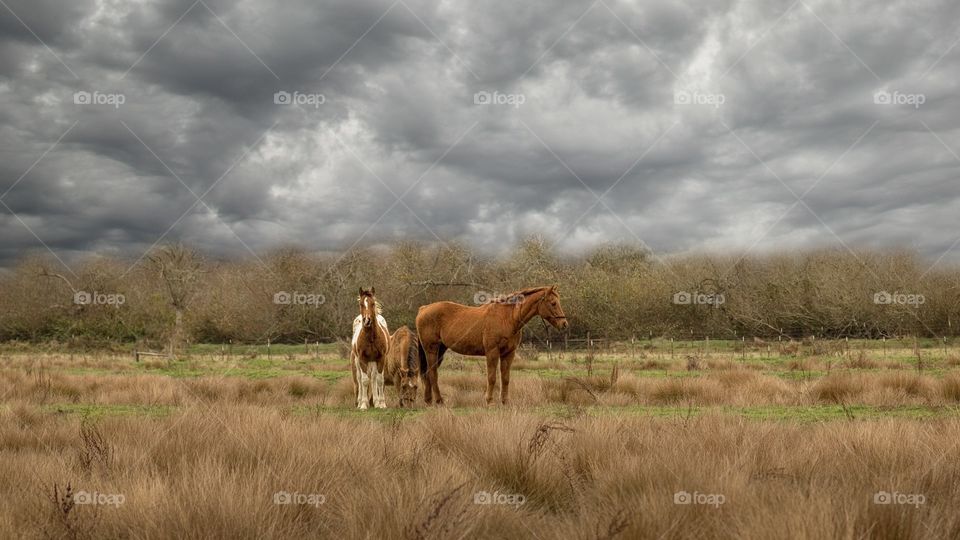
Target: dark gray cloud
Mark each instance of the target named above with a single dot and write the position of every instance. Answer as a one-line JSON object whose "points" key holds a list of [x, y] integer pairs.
{"points": [[699, 124]]}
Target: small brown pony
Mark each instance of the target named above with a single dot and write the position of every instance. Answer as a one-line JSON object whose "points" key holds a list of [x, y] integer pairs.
{"points": [[368, 352], [492, 330], [403, 363]]}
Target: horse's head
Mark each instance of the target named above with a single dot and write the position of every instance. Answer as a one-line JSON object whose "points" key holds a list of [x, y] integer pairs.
{"points": [[551, 311], [408, 383], [368, 306]]}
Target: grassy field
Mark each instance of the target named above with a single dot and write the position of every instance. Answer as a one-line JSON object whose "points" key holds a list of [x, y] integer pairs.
{"points": [[646, 440]]}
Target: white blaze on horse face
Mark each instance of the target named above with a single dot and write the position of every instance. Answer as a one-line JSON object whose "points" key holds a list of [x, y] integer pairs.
{"points": [[366, 309]]}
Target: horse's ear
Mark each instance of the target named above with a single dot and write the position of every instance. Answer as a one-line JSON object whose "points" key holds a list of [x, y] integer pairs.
{"points": [[373, 290], [361, 291]]}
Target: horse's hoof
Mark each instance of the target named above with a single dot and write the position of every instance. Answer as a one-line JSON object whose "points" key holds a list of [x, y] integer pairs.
{"points": [[363, 407], [381, 405]]}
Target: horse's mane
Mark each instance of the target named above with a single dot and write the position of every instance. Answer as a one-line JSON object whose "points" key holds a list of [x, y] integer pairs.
{"points": [[531, 290], [527, 292], [379, 306]]}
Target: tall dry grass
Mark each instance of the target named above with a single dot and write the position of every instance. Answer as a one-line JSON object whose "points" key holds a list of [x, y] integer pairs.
{"points": [[205, 456], [214, 471]]}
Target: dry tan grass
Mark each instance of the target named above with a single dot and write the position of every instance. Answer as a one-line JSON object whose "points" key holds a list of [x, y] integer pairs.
{"points": [[213, 472], [210, 462]]}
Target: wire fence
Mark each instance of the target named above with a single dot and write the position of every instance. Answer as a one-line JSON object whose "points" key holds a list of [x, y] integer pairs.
{"points": [[705, 344]]}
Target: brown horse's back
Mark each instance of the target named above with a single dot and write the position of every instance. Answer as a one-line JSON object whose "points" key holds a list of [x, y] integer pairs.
{"points": [[457, 327]]}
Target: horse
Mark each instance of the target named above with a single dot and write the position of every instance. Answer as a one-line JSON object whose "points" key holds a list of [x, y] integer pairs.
{"points": [[492, 330], [403, 365], [368, 351]]}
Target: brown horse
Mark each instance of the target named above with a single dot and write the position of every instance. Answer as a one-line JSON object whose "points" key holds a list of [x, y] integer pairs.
{"points": [[492, 330], [403, 363], [368, 352]]}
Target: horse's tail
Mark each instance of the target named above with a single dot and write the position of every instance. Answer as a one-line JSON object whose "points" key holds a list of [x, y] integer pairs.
{"points": [[422, 355]]}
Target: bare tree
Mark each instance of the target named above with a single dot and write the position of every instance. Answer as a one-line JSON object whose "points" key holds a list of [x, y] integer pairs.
{"points": [[179, 269]]}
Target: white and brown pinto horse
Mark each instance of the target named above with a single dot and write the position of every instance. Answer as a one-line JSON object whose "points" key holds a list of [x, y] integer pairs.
{"points": [[368, 352]]}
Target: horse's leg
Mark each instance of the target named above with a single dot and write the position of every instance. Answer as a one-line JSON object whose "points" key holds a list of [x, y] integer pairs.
{"points": [[434, 386], [353, 376], [505, 364], [433, 361], [493, 356], [362, 398], [379, 401], [431, 374]]}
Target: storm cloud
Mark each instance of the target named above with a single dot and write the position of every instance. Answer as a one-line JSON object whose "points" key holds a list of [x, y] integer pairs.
{"points": [[244, 126]]}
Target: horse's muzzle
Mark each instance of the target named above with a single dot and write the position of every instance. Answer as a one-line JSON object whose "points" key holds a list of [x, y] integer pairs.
{"points": [[560, 323]]}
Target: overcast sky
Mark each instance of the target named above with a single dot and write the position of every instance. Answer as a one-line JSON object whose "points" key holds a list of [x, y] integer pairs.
{"points": [[679, 126]]}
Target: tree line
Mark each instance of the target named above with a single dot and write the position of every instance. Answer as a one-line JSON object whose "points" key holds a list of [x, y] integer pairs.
{"points": [[177, 295]]}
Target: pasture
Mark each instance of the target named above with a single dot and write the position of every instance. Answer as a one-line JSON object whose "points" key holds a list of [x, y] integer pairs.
{"points": [[645, 440]]}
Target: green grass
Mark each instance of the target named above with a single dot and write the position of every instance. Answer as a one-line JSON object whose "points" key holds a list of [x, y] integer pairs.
{"points": [[276, 349], [96, 410], [814, 413], [258, 370]]}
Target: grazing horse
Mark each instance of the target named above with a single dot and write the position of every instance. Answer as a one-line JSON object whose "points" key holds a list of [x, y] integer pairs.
{"points": [[492, 330], [368, 352], [403, 365]]}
